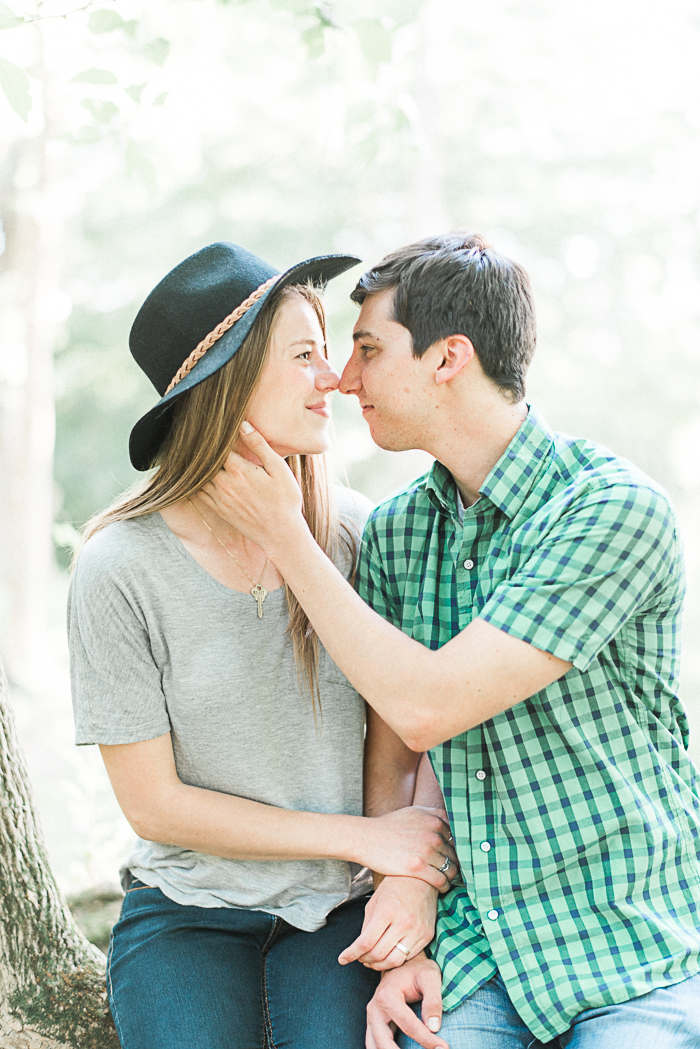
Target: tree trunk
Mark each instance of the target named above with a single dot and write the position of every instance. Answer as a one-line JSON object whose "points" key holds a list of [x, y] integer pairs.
{"points": [[52, 993]]}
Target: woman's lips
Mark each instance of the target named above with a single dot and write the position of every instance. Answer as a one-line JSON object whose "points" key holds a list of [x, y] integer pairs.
{"points": [[319, 409]]}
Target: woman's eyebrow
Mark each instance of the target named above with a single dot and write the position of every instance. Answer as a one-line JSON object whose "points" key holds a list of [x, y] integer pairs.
{"points": [[307, 342]]}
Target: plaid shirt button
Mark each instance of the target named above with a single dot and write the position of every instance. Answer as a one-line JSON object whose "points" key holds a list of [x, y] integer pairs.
{"points": [[492, 916], [468, 564], [485, 846], [481, 775]]}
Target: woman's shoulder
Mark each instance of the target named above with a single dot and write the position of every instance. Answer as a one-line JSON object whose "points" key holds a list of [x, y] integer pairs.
{"points": [[353, 511], [353, 508], [120, 546]]}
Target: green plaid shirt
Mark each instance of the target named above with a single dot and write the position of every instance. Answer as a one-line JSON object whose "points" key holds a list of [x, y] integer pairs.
{"points": [[576, 814]]}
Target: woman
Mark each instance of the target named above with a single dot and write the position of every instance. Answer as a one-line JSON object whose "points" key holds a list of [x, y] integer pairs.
{"points": [[233, 744]]}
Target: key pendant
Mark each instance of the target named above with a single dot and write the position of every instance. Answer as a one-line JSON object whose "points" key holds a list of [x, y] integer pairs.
{"points": [[259, 593]]}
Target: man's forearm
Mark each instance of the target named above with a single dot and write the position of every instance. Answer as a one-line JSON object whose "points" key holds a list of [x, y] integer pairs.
{"points": [[427, 792], [390, 769], [426, 697], [381, 662]]}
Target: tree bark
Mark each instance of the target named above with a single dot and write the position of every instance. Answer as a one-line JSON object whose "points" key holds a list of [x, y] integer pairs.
{"points": [[52, 993]]}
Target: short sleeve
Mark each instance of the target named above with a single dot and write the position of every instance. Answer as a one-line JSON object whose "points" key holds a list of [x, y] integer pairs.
{"points": [[371, 581], [115, 683], [612, 554]]}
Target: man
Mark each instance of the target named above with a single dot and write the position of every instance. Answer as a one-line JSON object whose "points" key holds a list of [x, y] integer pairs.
{"points": [[527, 595]]}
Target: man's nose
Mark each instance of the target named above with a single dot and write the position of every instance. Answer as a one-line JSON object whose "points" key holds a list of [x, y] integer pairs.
{"points": [[327, 379], [350, 380]]}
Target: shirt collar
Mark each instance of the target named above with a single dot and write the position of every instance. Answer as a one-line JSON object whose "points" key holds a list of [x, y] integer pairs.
{"points": [[511, 479]]}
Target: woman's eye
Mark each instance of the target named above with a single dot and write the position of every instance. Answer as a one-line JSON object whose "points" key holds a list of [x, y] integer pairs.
{"points": [[304, 356]]}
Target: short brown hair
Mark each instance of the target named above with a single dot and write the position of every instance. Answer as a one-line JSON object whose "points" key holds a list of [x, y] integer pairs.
{"points": [[455, 284]]}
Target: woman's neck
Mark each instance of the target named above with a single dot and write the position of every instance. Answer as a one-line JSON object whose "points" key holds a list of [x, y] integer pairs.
{"points": [[220, 549]]}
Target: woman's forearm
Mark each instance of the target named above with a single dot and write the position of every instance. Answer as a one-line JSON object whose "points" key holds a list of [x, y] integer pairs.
{"points": [[237, 828], [160, 807]]}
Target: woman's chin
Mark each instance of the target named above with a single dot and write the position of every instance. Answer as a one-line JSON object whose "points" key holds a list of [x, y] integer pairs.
{"points": [[310, 444], [308, 449]]}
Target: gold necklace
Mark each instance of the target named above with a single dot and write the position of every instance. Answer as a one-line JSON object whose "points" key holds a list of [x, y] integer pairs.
{"points": [[258, 592]]}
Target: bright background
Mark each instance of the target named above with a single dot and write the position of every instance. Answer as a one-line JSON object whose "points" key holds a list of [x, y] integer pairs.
{"points": [[568, 133]]}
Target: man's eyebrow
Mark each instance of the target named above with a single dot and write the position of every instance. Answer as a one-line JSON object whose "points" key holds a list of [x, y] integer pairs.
{"points": [[364, 335]]}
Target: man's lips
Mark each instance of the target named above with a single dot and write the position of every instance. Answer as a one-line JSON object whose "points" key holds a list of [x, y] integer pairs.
{"points": [[366, 408]]}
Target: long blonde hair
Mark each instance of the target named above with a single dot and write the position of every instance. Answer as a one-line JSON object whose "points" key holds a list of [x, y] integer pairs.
{"points": [[207, 419]]}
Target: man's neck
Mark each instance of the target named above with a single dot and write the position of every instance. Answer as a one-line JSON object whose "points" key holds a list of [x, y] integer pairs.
{"points": [[473, 442]]}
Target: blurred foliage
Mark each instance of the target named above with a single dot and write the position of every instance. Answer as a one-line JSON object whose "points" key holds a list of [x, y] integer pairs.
{"points": [[569, 134], [95, 911]]}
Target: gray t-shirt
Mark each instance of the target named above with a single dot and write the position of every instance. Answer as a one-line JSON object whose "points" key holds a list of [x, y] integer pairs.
{"points": [[158, 645]]}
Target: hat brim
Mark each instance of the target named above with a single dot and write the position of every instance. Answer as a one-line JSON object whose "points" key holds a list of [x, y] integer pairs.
{"points": [[152, 428]]}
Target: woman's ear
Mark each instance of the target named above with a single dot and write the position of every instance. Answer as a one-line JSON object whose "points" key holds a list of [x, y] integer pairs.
{"points": [[457, 351]]}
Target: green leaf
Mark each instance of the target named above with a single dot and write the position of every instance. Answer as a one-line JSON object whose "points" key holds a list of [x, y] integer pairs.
{"points": [[157, 50], [8, 19], [403, 11], [101, 111], [138, 164], [375, 42], [324, 14], [105, 21], [96, 76], [86, 136], [15, 83], [161, 99], [135, 91], [314, 41], [130, 27]]}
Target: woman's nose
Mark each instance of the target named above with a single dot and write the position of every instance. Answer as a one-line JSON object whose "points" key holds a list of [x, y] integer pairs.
{"points": [[328, 378]]}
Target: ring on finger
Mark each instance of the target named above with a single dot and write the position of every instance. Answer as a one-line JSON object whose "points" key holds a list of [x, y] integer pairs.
{"points": [[400, 946], [445, 865]]}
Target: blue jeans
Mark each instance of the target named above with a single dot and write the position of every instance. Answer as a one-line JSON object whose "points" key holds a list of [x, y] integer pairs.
{"points": [[227, 978], [666, 1018]]}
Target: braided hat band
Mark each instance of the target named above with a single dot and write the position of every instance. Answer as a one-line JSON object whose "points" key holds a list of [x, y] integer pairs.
{"points": [[213, 336]]}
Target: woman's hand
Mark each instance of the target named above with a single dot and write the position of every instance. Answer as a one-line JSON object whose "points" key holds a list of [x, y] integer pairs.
{"points": [[403, 911], [411, 842]]}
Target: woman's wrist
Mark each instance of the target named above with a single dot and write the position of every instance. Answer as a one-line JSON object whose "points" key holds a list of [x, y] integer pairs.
{"points": [[347, 839]]}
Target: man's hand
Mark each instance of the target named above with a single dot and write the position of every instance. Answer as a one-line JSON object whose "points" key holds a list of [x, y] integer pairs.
{"points": [[263, 502], [402, 910], [418, 979]]}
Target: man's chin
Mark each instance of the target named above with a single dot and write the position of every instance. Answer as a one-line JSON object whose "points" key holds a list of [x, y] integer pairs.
{"points": [[389, 442]]}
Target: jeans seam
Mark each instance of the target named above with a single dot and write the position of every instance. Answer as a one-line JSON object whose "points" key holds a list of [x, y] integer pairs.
{"points": [[110, 992], [269, 1042]]}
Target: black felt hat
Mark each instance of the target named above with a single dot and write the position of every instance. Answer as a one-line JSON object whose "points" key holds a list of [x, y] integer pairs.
{"points": [[187, 306]]}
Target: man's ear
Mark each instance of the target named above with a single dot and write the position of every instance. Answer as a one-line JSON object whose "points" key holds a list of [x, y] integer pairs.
{"points": [[457, 351]]}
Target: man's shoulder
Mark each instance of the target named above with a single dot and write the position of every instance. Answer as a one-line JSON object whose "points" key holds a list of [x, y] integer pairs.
{"points": [[408, 501], [586, 469]]}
